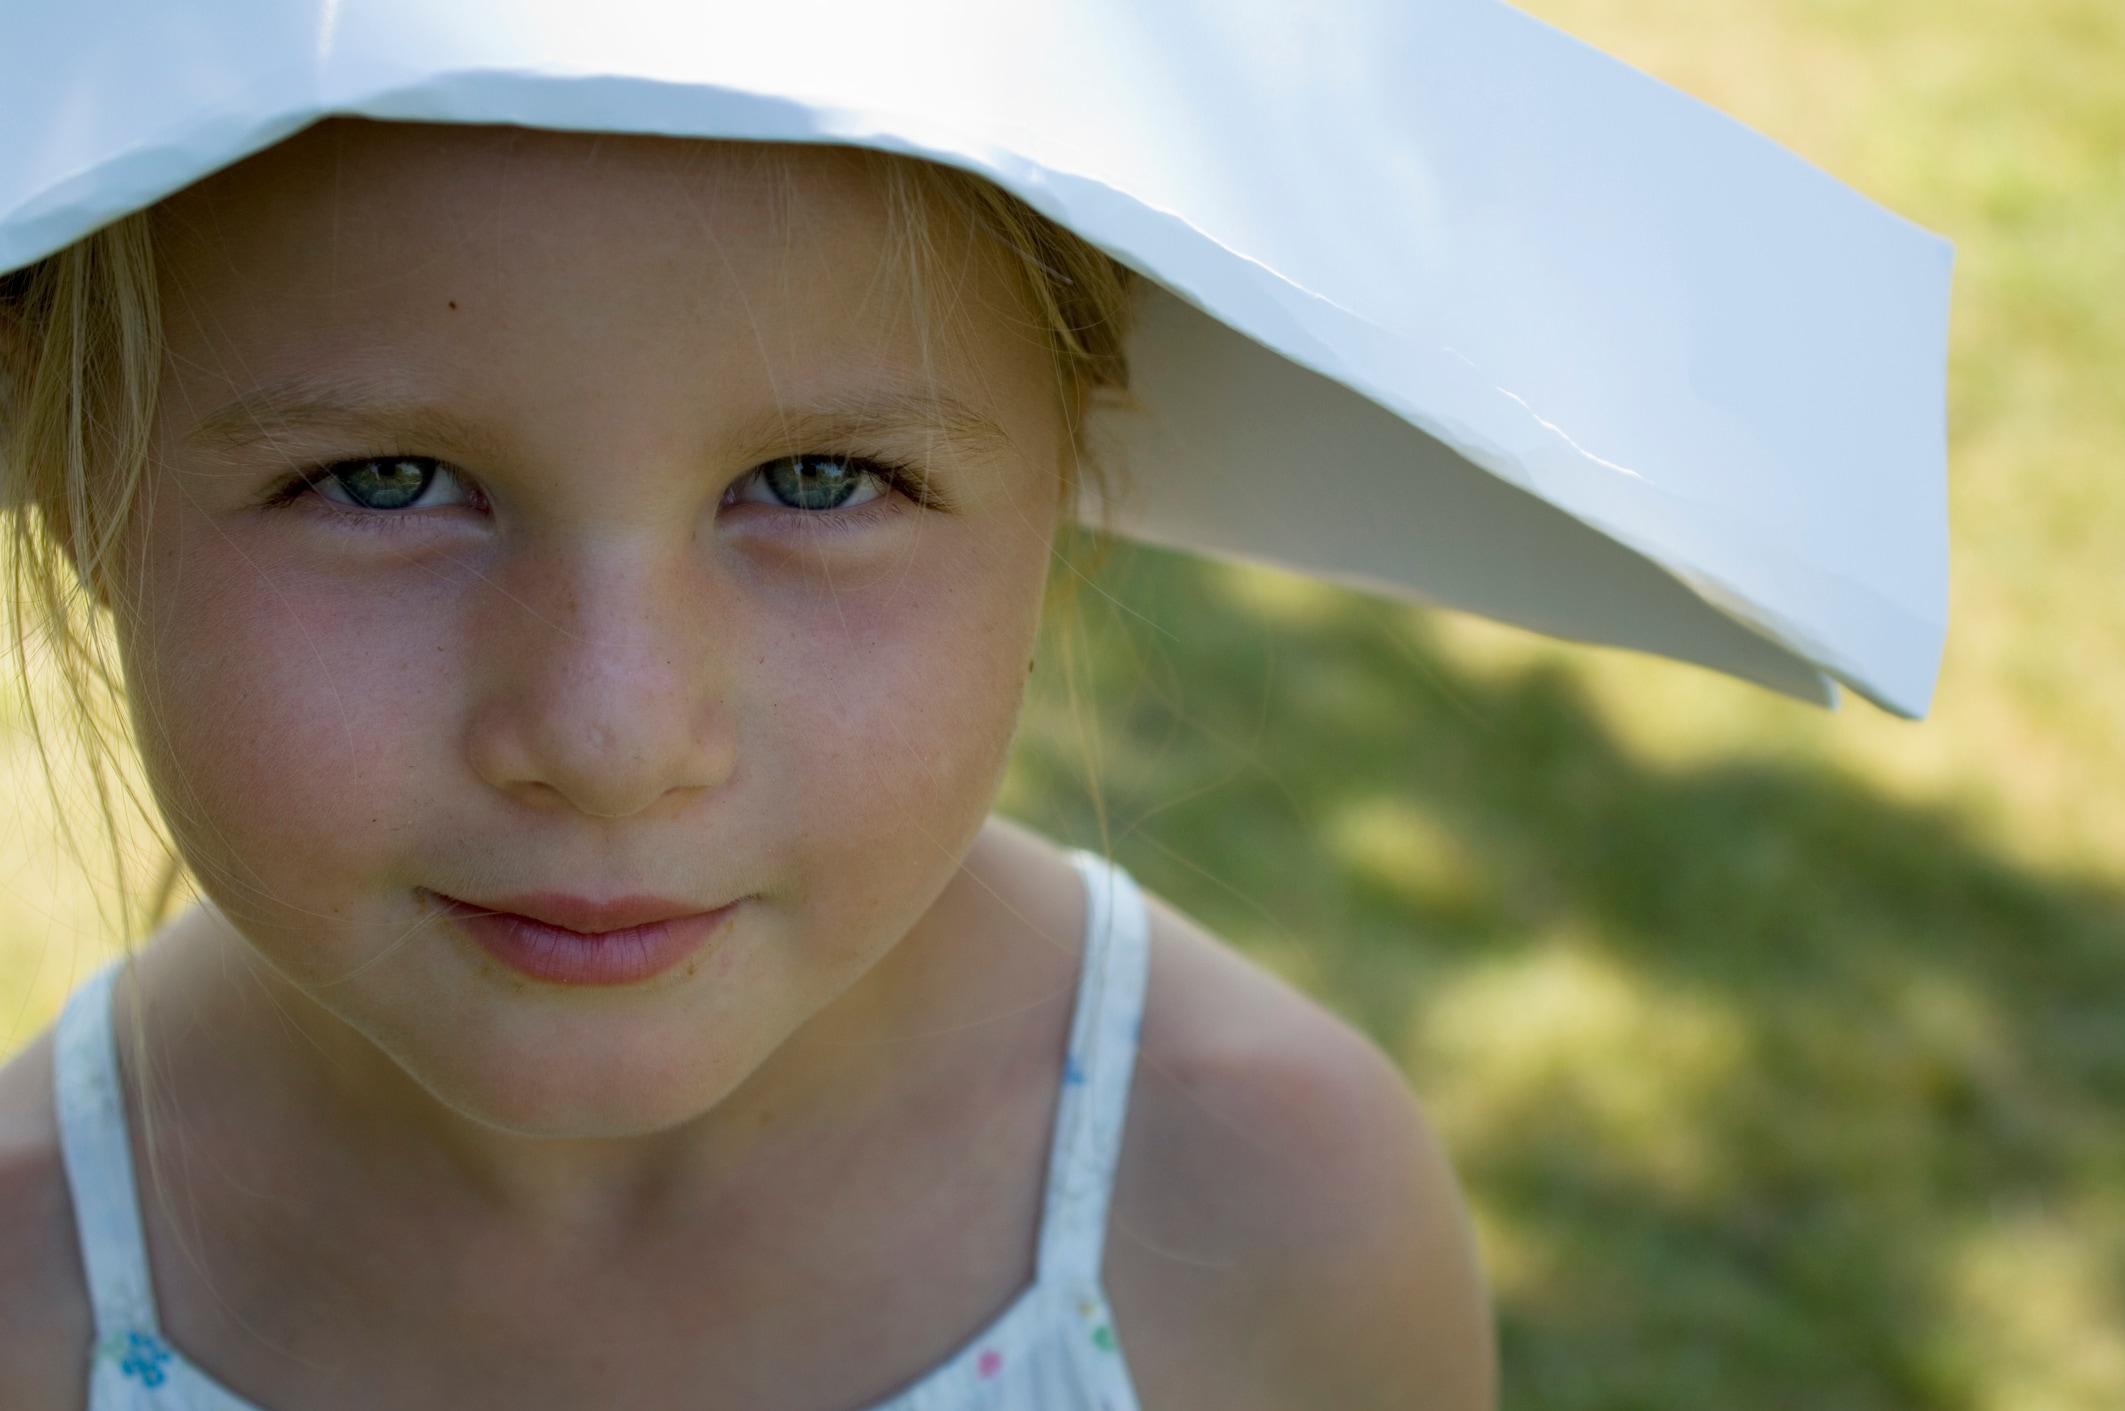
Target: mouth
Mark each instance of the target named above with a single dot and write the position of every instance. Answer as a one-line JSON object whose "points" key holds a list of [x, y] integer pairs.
{"points": [[566, 940]]}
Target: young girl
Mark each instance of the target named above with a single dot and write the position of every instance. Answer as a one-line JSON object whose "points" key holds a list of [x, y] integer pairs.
{"points": [[573, 592], [574, 613]]}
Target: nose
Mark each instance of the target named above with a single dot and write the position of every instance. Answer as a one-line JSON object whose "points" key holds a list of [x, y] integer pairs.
{"points": [[602, 688]]}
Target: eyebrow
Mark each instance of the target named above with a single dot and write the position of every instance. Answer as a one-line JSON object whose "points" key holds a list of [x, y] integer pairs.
{"points": [[933, 417], [287, 407]]}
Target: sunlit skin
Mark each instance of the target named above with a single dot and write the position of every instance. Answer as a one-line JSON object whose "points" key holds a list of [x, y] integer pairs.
{"points": [[467, 579]]}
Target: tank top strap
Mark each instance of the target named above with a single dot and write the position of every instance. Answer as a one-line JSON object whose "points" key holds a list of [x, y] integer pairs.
{"points": [[1097, 1070], [98, 1158]]}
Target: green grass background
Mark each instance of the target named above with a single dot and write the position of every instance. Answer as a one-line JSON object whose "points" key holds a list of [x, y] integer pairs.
{"points": [[1783, 1053]]}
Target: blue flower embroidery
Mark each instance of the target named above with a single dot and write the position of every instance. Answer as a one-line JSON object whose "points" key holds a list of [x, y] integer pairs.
{"points": [[142, 1355], [1072, 1073]]}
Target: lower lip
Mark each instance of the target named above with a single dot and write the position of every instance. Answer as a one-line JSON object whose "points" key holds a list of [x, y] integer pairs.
{"points": [[556, 955]]}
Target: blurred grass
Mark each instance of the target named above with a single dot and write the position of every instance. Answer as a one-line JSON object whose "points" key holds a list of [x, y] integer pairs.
{"points": [[55, 926], [1783, 1053]]}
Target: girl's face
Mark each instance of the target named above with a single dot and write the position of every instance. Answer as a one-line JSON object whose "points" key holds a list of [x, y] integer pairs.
{"points": [[583, 593]]}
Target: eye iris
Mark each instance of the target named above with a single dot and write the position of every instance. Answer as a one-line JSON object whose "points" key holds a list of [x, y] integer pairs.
{"points": [[814, 482], [388, 484]]}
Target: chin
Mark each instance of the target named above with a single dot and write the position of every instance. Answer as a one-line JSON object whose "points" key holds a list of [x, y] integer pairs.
{"points": [[604, 1094], [544, 1062]]}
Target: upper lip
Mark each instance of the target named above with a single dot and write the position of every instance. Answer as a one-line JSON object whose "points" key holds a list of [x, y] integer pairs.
{"points": [[583, 914]]}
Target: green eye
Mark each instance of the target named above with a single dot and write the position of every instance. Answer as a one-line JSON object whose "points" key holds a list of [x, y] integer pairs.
{"points": [[820, 482], [386, 483]]}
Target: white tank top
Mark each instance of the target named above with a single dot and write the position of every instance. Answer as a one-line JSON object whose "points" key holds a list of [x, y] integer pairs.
{"points": [[1053, 1349]]}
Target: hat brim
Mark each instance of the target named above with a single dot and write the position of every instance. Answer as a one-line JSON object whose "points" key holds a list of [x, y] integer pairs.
{"points": [[1457, 307]]}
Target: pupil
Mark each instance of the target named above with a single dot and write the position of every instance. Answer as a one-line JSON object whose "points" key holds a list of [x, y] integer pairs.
{"points": [[813, 482], [385, 484]]}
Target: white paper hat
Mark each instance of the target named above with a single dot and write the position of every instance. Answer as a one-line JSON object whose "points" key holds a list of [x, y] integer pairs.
{"points": [[1446, 303]]}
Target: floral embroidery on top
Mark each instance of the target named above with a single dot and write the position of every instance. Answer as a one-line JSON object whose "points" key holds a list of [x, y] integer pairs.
{"points": [[141, 1355], [990, 1363]]}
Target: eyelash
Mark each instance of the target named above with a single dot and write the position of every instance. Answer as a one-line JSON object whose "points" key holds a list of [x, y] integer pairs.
{"points": [[308, 485], [893, 477], [899, 479]]}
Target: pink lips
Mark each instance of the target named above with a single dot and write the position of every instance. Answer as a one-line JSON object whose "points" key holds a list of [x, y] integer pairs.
{"points": [[566, 940]]}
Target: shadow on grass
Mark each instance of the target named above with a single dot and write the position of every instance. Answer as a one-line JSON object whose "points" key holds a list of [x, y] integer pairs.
{"points": [[1768, 1091]]}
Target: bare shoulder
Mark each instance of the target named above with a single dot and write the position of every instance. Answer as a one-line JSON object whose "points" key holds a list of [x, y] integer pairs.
{"points": [[1286, 1230], [44, 1317]]}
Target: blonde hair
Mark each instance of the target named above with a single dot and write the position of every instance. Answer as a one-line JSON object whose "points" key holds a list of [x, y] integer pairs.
{"points": [[80, 359], [1081, 296]]}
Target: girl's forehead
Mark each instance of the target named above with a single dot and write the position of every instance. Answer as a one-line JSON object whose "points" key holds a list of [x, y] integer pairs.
{"points": [[414, 197], [359, 241]]}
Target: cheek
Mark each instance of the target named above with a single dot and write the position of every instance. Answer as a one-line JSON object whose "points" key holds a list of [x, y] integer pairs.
{"points": [[283, 725], [894, 703]]}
